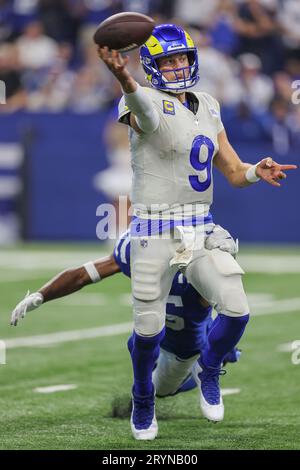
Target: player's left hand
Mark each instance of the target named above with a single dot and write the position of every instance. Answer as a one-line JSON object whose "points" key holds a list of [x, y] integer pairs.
{"points": [[221, 238], [272, 172]]}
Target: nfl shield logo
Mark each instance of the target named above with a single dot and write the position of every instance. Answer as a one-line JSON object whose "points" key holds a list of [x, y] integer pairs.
{"points": [[144, 243]]}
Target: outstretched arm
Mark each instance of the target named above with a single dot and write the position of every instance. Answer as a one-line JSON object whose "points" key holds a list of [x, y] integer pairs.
{"points": [[74, 279], [143, 117], [65, 283], [242, 174]]}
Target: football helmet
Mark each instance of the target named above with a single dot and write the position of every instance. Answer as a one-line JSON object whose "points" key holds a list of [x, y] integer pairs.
{"points": [[166, 40]]}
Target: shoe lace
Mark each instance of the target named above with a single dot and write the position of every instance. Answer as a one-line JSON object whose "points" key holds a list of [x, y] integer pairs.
{"points": [[210, 384]]}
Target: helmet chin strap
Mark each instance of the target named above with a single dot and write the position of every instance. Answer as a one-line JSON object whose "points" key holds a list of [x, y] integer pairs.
{"points": [[176, 92]]}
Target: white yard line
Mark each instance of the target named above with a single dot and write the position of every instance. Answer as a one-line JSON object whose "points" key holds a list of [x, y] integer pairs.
{"points": [[57, 260], [82, 299], [289, 347], [229, 391], [55, 388], [126, 299], [65, 387], [271, 264], [23, 276], [277, 306], [45, 260], [260, 298], [66, 336], [258, 307]]}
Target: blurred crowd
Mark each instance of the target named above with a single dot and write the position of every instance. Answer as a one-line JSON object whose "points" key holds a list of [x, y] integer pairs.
{"points": [[249, 54]]}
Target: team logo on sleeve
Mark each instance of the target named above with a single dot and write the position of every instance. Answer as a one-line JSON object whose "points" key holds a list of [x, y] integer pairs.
{"points": [[169, 107]]}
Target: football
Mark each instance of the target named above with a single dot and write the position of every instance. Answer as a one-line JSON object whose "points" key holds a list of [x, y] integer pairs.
{"points": [[124, 31]]}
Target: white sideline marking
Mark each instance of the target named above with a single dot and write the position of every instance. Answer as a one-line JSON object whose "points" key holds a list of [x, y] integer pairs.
{"points": [[55, 388], [66, 336], [229, 391]]}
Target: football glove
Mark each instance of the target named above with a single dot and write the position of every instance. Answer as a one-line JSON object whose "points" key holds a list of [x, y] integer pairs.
{"points": [[30, 302], [221, 238]]}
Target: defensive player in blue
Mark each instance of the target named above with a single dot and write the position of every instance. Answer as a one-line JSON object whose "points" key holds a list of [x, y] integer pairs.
{"points": [[188, 315]]}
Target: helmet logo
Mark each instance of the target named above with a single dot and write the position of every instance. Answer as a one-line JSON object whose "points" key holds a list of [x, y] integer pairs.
{"points": [[176, 46]]}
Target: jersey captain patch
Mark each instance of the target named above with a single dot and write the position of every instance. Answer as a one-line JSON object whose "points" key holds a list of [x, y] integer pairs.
{"points": [[168, 107]]}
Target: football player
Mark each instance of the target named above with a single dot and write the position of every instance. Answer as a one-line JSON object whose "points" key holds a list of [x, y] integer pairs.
{"points": [[176, 137], [188, 315]]}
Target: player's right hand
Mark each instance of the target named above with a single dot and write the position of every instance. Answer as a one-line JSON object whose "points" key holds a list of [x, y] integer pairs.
{"points": [[115, 62], [30, 302]]}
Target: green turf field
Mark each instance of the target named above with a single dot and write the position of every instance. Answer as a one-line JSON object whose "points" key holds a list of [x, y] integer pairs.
{"points": [[265, 414]]}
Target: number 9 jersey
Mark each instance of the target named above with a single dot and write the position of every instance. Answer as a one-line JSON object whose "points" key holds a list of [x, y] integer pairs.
{"points": [[173, 165]]}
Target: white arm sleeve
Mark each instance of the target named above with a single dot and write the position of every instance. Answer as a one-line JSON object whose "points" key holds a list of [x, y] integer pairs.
{"points": [[141, 106]]}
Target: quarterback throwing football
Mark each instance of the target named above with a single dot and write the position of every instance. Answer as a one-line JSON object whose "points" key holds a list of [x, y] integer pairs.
{"points": [[176, 137]]}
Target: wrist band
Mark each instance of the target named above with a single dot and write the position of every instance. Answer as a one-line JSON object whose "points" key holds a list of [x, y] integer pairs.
{"points": [[39, 299], [251, 175], [92, 271]]}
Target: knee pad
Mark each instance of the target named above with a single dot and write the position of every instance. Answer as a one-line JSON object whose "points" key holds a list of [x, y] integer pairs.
{"points": [[149, 321], [234, 300], [146, 281]]}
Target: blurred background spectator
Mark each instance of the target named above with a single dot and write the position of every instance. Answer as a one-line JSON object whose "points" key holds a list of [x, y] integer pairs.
{"points": [[116, 179], [288, 15], [54, 64], [36, 50], [11, 75], [249, 57], [250, 86]]}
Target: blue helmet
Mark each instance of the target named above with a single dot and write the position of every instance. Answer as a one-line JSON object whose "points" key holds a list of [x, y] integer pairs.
{"points": [[168, 39]]}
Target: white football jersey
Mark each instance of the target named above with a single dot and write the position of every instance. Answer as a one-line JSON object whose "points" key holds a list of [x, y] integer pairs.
{"points": [[173, 165]]}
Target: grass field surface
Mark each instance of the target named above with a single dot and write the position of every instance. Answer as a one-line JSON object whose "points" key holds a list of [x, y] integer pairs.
{"points": [[80, 342]]}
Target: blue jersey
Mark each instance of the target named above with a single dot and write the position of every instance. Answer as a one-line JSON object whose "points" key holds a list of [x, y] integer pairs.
{"points": [[187, 321]]}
